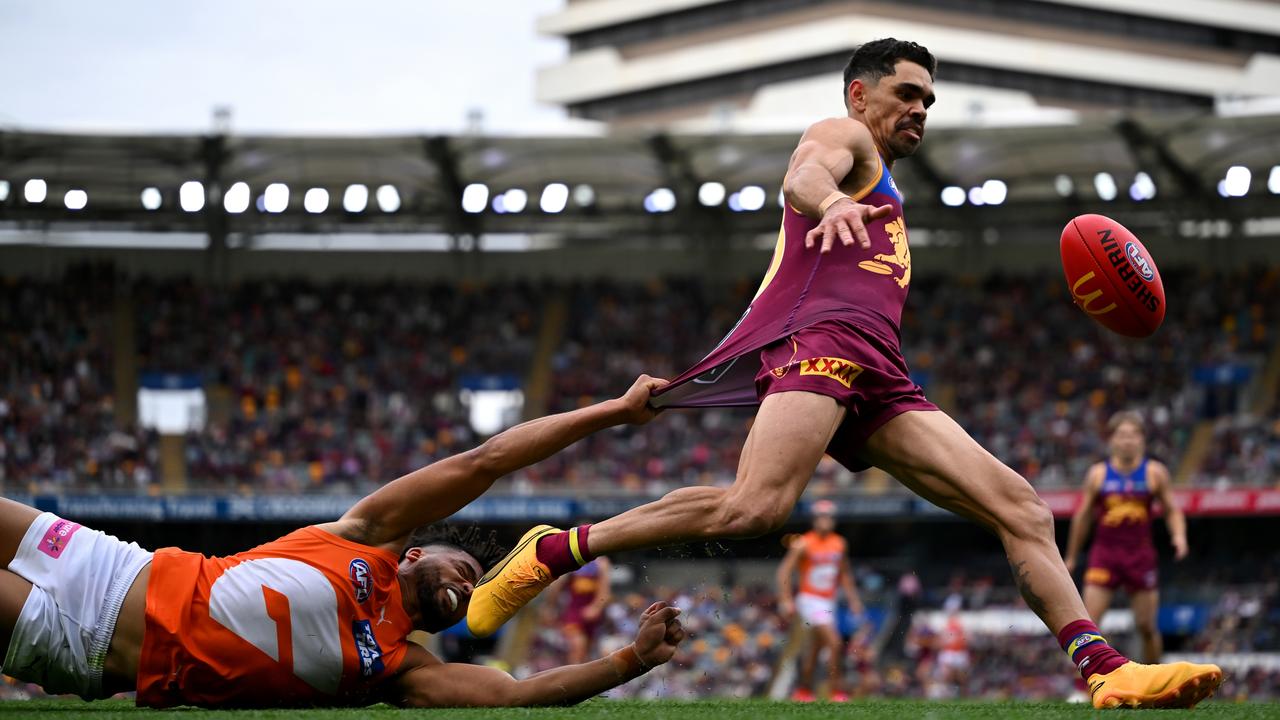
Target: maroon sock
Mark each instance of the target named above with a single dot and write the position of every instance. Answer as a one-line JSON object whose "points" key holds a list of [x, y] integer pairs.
{"points": [[556, 551], [1088, 649]]}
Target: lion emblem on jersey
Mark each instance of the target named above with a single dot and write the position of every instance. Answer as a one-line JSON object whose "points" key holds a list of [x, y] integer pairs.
{"points": [[885, 264], [1122, 511]]}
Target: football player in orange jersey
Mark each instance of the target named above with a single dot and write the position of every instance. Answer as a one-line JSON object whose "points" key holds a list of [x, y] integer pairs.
{"points": [[823, 563], [319, 617]]}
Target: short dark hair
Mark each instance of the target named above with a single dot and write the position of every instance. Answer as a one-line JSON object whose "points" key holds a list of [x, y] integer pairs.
{"points": [[470, 539], [876, 59]]}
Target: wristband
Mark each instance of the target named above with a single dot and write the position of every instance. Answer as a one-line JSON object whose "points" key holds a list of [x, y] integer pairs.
{"points": [[830, 200], [627, 663]]}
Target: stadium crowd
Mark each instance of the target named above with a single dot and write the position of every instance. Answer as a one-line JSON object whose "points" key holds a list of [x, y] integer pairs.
{"points": [[327, 387]]}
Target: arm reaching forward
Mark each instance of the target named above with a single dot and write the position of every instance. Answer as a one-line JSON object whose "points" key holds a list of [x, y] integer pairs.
{"points": [[387, 515], [826, 155], [439, 685]]}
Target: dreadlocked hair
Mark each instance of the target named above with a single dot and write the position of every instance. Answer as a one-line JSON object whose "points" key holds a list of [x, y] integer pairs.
{"points": [[469, 539]]}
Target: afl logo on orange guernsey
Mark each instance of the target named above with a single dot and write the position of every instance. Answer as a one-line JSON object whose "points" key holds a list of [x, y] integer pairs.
{"points": [[361, 579]]}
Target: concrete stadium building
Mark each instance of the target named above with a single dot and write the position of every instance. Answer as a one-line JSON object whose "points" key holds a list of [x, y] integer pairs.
{"points": [[773, 65]]}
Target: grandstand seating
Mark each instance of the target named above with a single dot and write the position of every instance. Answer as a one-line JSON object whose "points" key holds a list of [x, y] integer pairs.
{"points": [[333, 386]]}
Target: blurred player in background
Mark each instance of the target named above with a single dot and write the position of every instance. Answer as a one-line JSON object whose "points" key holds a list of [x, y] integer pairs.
{"points": [[588, 594], [822, 559], [819, 351], [1118, 495]]}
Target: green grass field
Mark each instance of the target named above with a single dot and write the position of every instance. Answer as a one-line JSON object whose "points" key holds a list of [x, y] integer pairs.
{"points": [[640, 710]]}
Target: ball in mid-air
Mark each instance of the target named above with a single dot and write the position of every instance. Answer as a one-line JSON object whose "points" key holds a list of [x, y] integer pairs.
{"points": [[1111, 276]]}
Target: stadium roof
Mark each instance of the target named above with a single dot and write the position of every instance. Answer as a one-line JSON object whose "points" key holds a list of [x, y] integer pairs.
{"points": [[609, 183]]}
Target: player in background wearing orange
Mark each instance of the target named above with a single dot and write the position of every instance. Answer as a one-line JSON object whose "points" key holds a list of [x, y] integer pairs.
{"points": [[588, 595], [1118, 495], [953, 658], [319, 617], [822, 560]]}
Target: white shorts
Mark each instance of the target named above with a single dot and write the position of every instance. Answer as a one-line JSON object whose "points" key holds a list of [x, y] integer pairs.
{"points": [[954, 659], [816, 611], [80, 577]]}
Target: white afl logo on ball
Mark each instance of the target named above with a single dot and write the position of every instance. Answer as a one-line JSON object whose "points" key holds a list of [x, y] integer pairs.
{"points": [[1139, 263]]}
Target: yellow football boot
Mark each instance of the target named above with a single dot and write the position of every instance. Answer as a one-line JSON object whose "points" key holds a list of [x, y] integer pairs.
{"points": [[1175, 685], [509, 585]]}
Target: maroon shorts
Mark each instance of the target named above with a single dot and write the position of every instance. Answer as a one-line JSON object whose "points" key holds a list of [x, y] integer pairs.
{"points": [[574, 618], [863, 372], [1113, 568]]}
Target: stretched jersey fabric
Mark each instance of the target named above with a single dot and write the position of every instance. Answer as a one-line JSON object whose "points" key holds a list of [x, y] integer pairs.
{"points": [[309, 619], [802, 287], [820, 564]]}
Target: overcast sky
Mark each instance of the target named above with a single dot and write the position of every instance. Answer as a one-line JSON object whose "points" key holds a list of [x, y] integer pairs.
{"points": [[306, 66]]}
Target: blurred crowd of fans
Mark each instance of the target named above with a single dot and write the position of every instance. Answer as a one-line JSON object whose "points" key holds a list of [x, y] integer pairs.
{"points": [[316, 386]]}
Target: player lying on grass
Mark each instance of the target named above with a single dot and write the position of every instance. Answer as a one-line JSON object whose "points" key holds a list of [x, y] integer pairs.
{"points": [[318, 617]]}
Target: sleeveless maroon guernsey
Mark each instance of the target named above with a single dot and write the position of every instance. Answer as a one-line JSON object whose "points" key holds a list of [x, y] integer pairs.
{"points": [[802, 287]]}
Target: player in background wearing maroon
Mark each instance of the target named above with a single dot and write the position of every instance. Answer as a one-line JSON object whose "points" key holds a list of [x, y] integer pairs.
{"points": [[822, 559], [1118, 495], [818, 350], [588, 595]]}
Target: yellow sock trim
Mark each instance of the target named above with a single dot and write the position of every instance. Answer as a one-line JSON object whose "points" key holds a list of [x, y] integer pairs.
{"points": [[573, 547]]}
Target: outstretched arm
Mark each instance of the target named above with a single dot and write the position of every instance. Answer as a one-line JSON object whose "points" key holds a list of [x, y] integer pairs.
{"points": [[1173, 517], [825, 156], [440, 685], [387, 515], [1082, 520]]}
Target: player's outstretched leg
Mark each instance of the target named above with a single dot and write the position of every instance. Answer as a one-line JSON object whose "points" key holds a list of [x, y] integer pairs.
{"points": [[929, 453], [790, 434]]}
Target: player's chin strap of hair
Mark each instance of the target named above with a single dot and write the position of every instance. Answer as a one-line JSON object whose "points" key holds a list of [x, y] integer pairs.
{"points": [[627, 663], [830, 200]]}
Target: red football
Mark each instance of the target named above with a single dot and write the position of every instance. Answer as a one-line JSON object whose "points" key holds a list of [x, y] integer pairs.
{"points": [[1111, 276]]}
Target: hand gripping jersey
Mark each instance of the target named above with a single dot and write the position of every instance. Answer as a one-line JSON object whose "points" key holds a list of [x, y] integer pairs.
{"points": [[803, 287], [309, 619], [820, 564]]}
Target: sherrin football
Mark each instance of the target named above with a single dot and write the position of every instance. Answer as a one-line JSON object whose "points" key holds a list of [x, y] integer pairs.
{"points": [[1111, 276]]}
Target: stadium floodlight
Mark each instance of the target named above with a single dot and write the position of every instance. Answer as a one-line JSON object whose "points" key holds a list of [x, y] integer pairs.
{"points": [[1237, 181], [661, 200], [316, 200], [75, 199], [751, 198], [388, 198], [554, 197], [35, 190], [1143, 187], [275, 199], [782, 198], [1064, 185], [994, 192], [515, 200], [1105, 185], [1273, 181], [1222, 189], [355, 199], [711, 194], [4, 190], [975, 196], [236, 199], [952, 196], [151, 198], [584, 196], [475, 198], [191, 196]]}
